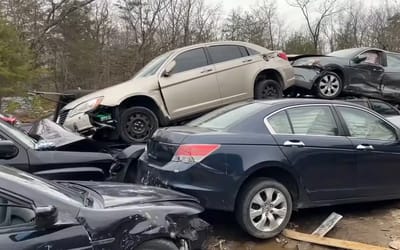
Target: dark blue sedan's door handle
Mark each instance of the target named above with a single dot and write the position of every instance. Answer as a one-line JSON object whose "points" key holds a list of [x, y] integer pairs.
{"points": [[294, 143], [365, 147]]}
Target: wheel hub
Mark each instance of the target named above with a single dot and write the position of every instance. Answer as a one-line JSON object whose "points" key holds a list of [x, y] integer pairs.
{"points": [[138, 126], [329, 85], [268, 209]]}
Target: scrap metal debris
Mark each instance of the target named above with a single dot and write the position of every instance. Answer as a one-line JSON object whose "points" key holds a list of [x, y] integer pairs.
{"points": [[328, 224], [330, 242]]}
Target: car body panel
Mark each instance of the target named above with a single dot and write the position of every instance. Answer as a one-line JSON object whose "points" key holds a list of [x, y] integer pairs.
{"points": [[92, 160], [60, 237], [317, 158], [178, 90], [133, 215], [326, 170]]}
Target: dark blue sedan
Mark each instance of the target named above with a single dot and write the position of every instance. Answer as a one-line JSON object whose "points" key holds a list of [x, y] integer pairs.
{"points": [[263, 159]]}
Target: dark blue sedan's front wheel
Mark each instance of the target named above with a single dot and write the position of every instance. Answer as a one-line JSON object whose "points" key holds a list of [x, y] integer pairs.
{"points": [[264, 208]]}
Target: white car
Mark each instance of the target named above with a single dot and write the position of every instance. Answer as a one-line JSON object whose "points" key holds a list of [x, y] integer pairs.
{"points": [[178, 85]]}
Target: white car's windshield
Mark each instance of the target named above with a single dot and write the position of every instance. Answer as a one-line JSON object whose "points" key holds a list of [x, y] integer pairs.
{"points": [[152, 67], [18, 134]]}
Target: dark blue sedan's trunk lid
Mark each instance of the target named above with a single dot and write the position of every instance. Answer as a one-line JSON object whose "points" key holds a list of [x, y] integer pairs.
{"points": [[164, 143]]}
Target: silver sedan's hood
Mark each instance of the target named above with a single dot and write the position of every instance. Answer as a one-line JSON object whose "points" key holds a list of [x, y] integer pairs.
{"points": [[114, 95]]}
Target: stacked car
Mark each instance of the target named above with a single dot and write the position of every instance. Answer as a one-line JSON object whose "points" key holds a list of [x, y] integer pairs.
{"points": [[248, 151]]}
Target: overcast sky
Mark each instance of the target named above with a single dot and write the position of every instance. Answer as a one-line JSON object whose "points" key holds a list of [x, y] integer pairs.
{"points": [[291, 15]]}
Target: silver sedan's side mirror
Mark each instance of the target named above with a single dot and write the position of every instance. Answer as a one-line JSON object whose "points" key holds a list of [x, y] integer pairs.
{"points": [[169, 68]]}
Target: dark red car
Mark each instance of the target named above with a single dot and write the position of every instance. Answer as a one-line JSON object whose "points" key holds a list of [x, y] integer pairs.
{"points": [[9, 119]]}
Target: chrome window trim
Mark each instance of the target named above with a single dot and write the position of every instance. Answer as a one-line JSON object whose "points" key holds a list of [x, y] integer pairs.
{"points": [[373, 113], [272, 131]]}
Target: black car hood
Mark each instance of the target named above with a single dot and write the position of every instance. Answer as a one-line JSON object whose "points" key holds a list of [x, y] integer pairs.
{"points": [[119, 194], [52, 132]]}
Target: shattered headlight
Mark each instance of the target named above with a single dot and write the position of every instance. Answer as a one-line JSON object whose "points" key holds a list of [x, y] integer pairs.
{"points": [[90, 105]]}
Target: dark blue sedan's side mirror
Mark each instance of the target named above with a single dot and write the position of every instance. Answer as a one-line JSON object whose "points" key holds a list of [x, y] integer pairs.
{"points": [[8, 150]]}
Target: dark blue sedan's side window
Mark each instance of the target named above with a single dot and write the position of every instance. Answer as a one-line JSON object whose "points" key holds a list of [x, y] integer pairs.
{"points": [[316, 120], [280, 123], [364, 125]]}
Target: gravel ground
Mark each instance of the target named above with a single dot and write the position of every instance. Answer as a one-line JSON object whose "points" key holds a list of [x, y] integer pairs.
{"points": [[373, 223]]}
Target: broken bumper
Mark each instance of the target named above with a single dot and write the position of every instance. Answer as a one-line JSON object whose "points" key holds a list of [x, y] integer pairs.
{"points": [[306, 76], [212, 194], [86, 123], [79, 123]]}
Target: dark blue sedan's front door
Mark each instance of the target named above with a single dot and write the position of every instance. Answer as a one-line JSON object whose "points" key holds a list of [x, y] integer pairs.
{"points": [[326, 162]]}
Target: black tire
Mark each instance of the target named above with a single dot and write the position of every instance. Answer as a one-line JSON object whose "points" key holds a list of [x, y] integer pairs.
{"points": [[328, 86], [246, 196], [137, 124], [268, 89], [157, 245]]}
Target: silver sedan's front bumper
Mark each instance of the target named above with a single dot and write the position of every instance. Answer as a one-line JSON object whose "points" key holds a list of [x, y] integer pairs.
{"points": [[78, 123]]}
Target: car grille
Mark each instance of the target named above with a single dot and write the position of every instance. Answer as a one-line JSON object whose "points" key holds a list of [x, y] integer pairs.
{"points": [[62, 117]]}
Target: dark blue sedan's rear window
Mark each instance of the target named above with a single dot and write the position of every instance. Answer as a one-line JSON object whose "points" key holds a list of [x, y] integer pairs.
{"points": [[228, 116]]}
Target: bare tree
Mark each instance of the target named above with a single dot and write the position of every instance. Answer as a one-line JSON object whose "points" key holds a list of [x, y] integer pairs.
{"points": [[308, 8]]}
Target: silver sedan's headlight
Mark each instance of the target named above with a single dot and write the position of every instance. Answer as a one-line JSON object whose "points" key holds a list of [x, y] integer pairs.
{"points": [[92, 104]]}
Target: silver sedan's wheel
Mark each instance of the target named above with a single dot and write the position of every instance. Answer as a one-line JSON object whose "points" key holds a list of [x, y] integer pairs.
{"points": [[329, 86], [264, 207], [268, 209]]}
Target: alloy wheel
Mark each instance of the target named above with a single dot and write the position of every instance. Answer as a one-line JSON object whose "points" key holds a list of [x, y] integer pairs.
{"points": [[268, 209], [329, 85]]}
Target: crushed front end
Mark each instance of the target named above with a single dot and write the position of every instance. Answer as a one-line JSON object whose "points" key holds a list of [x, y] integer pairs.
{"points": [[89, 122]]}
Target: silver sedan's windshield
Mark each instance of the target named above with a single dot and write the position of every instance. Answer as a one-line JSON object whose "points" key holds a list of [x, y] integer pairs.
{"points": [[152, 67], [18, 134]]}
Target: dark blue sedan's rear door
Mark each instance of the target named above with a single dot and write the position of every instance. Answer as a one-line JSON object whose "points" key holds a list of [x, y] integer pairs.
{"points": [[326, 162]]}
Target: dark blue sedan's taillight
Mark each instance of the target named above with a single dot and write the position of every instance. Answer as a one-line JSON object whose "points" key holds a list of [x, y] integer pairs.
{"points": [[191, 153]]}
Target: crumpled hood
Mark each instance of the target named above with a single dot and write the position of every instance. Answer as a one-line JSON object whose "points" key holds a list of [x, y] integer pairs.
{"points": [[54, 133], [120, 194], [114, 95]]}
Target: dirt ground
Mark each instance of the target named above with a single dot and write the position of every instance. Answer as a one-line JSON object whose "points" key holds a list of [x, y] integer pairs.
{"points": [[373, 223]]}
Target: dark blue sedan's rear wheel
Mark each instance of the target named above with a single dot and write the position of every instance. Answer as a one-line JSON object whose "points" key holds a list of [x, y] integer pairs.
{"points": [[157, 245], [264, 208]]}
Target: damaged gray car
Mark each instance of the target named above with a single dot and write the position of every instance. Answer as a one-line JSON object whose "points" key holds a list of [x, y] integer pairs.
{"points": [[52, 152], [365, 72], [41, 214]]}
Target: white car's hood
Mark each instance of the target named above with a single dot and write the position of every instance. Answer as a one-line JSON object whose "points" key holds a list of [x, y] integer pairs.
{"points": [[114, 95]]}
